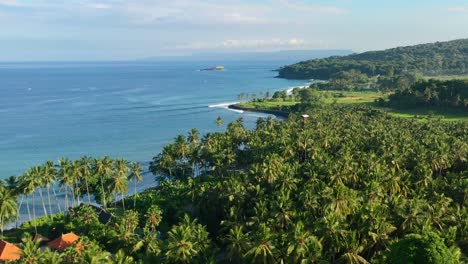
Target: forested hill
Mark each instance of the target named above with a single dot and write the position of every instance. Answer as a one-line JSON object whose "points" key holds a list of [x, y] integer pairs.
{"points": [[440, 58]]}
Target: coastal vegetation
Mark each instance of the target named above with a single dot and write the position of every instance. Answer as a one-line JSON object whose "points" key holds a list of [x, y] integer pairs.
{"points": [[340, 180], [351, 184], [440, 58]]}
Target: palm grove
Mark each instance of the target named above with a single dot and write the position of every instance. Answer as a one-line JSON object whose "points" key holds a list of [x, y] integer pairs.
{"points": [[351, 185]]}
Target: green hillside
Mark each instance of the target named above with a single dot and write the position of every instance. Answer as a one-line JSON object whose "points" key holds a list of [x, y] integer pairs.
{"points": [[434, 59]]}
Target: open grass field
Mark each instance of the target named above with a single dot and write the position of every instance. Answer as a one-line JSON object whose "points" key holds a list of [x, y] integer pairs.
{"points": [[368, 98], [447, 77]]}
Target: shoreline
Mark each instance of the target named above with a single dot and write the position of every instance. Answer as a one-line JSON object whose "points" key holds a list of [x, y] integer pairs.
{"points": [[257, 110]]}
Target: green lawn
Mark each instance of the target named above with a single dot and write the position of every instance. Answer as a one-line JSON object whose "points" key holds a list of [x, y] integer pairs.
{"points": [[346, 97], [368, 97], [268, 104], [447, 77], [423, 113]]}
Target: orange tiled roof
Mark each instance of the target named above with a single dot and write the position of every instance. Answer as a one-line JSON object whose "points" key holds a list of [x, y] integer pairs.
{"points": [[64, 241], [9, 251]]}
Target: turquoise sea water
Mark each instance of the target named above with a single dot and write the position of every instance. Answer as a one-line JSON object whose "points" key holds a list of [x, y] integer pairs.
{"points": [[120, 109]]}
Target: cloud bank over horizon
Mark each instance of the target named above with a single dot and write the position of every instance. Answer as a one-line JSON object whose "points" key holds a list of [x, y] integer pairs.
{"points": [[125, 29]]}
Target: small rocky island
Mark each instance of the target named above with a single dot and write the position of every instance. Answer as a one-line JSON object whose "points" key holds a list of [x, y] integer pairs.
{"points": [[217, 68]]}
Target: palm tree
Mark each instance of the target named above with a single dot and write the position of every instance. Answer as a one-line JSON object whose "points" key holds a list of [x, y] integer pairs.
{"points": [[65, 178], [48, 178], [154, 217], [76, 176], [30, 251], [135, 176], [27, 187], [193, 139], [121, 258], [37, 180], [238, 243], [120, 182], [304, 247], [51, 257], [104, 170], [180, 248], [8, 207], [12, 183], [85, 173]]}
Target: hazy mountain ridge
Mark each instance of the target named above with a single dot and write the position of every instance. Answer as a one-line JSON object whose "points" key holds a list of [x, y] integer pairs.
{"points": [[287, 55]]}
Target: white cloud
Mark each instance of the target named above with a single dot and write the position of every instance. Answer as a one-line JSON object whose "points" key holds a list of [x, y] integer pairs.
{"points": [[311, 8], [181, 12], [9, 2], [194, 12], [98, 6]]}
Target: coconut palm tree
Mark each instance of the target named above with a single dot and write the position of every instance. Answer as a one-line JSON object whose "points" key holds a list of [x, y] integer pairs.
{"points": [[65, 178], [30, 251], [85, 173], [51, 257], [121, 258], [76, 176], [303, 247], [8, 207], [238, 243], [154, 217], [37, 182], [27, 187], [48, 180], [262, 249], [135, 176], [104, 169], [180, 247], [119, 180]]}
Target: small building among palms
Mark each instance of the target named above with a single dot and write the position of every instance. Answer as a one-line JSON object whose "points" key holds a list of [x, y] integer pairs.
{"points": [[9, 252], [64, 241]]}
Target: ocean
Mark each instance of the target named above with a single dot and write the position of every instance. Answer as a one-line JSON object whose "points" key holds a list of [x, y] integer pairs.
{"points": [[124, 110], [120, 109]]}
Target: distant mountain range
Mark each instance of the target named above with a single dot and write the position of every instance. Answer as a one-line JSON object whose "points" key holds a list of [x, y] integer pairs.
{"points": [[287, 55]]}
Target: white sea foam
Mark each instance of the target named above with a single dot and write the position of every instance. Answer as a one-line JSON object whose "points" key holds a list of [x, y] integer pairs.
{"points": [[223, 105], [226, 106], [290, 89]]}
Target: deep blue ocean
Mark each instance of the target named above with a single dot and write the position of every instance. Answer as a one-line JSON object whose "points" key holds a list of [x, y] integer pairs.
{"points": [[119, 109]]}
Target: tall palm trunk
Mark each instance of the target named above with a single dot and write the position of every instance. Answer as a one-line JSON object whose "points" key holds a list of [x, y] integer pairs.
{"points": [[19, 210], [29, 210], [57, 200], [1, 226], [66, 198], [103, 194], [34, 211], [123, 202], [134, 194], [48, 199], [87, 189], [73, 197], [42, 200]]}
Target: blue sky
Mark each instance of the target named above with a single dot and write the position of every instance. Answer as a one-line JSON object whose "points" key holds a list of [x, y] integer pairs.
{"points": [[129, 29]]}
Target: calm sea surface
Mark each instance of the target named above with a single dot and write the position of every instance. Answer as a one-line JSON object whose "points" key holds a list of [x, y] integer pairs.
{"points": [[121, 109]]}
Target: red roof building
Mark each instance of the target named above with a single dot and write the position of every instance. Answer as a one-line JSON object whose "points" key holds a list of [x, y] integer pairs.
{"points": [[63, 242], [9, 252]]}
